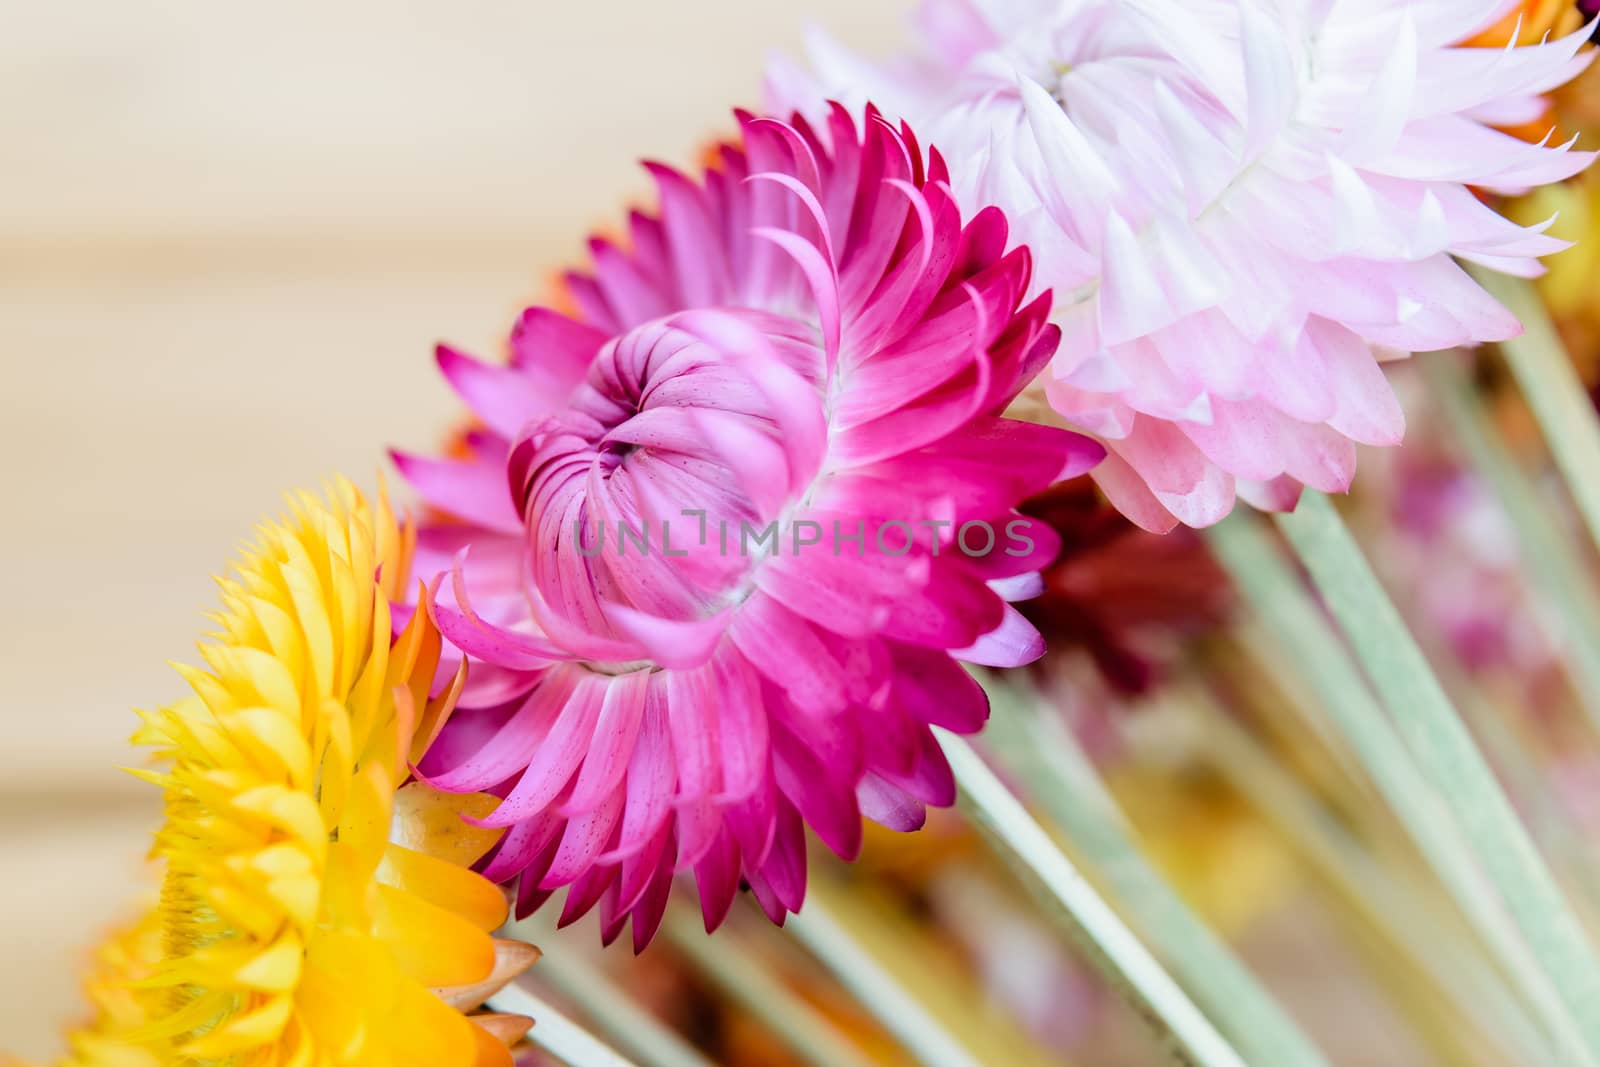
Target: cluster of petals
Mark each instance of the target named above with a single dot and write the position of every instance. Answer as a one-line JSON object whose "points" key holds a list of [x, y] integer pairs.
{"points": [[1244, 207], [808, 344], [316, 909]]}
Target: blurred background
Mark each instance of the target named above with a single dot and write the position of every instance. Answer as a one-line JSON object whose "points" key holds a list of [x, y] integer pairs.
{"points": [[230, 236]]}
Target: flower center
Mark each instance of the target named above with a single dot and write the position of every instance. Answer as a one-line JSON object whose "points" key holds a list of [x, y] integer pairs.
{"points": [[665, 480]]}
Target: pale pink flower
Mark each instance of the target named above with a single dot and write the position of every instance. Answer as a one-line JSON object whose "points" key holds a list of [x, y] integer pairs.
{"points": [[808, 337], [1243, 206]]}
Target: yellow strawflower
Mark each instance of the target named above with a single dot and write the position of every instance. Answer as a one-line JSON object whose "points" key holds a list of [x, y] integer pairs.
{"points": [[313, 911]]}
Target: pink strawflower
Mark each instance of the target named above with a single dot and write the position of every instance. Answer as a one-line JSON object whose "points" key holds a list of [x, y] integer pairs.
{"points": [[1243, 206], [807, 336]]}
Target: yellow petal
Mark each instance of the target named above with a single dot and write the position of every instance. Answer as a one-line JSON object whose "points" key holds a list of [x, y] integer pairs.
{"points": [[254, 677], [437, 715], [275, 743], [511, 958], [454, 888], [364, 825], [277, 970], [338, 758], [430, 944], [351, 983], [277, 631], [280, 860], [433, 822], [259, 1026], [424, 1033], [292, 812], [311, 610]]}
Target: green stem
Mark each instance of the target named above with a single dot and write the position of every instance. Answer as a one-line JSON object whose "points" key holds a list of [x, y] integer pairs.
{"points": [[1554, 567], [746, 981], [1122, 959], [1551, 823], [555, 1033], [1402, 918], [917, 1030], [1544, 372], [634, 1029], [1042, 753], [1442, 745], [1278, 597]]}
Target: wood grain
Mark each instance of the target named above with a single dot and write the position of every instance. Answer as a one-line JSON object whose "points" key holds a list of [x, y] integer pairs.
{"points": [[229, 238]]}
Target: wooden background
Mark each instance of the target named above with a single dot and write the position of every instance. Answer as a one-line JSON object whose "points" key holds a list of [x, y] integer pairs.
{"points": [[230, 234]]}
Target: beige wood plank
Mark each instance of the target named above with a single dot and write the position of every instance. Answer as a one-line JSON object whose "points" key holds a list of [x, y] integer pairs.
{"points": [[229, 237]]}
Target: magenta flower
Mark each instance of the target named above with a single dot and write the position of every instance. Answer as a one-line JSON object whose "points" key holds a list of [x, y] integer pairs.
{"points": [[734, 527], [1243, 206]]}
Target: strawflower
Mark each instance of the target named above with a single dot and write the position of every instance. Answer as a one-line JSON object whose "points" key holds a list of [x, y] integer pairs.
{"points": [[790, 383], [1244, 208], [314, 911]]}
